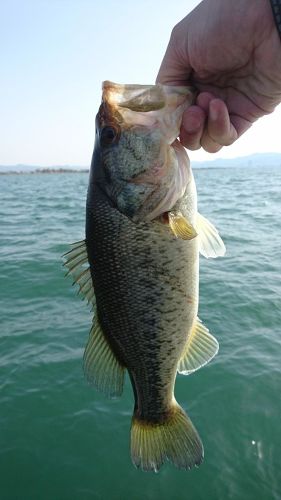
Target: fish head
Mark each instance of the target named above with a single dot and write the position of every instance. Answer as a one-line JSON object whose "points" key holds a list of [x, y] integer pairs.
{"points": [[143, 168]]}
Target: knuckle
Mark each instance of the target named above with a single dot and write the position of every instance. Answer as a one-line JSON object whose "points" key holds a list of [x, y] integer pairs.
{"points": [[193, 146], [210, 145]]}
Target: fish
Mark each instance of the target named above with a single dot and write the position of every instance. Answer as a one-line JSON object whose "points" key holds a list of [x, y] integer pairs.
{"points": [[139, 267]]}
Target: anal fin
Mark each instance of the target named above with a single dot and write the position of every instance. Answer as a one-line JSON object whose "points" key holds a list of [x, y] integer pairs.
{"points": [[200, 348], [101, 367]]}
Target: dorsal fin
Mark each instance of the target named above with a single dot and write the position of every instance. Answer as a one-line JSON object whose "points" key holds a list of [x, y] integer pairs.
{"points": [[76, 262]]}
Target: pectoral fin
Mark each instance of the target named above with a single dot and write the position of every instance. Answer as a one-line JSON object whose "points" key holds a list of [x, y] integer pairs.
{"points": [[200, 348], [210, 242], [180, 226], [101, 367]]}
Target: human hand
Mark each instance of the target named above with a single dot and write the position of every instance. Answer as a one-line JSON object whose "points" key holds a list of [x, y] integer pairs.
{"points": [[231, 53]]}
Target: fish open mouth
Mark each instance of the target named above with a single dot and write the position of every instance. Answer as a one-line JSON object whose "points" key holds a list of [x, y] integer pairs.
{"points": [[149, 105]]}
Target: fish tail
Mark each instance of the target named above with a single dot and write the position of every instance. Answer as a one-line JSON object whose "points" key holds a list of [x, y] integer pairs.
{"points": [[174, 439]]}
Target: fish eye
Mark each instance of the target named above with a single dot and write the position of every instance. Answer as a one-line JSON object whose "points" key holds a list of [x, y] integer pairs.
{"points": [[108, 135]]}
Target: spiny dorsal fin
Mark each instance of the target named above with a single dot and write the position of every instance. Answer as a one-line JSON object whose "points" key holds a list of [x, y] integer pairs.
{"points": [[200, 348], [210, 242], [180, 226], [101, 367], [77, 264]]}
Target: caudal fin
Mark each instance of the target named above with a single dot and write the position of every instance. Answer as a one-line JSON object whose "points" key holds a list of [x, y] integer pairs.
{"points": [[174, 439]]}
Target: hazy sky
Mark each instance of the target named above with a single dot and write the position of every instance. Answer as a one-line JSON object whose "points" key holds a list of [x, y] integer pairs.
{"points": [[54, 55]]}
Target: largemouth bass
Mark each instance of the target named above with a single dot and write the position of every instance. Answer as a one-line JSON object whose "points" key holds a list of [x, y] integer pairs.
{"points": [[139, 266]]}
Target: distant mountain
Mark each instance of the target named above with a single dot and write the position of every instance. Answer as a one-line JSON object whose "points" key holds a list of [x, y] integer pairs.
{"points": [[258, 159]]}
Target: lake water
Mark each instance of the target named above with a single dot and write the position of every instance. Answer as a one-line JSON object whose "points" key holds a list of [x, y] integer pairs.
{"points": [[59, 438]]}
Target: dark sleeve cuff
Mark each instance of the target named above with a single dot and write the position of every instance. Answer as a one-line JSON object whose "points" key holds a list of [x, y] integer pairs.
{"points": [[276, 9]]}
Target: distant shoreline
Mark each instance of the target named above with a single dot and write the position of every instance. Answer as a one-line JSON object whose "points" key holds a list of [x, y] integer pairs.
{"points": [[254, 160], [46, 171]]}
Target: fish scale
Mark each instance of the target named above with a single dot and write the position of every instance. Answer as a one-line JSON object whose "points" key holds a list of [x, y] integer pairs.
{"points": [[140, 312]]}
